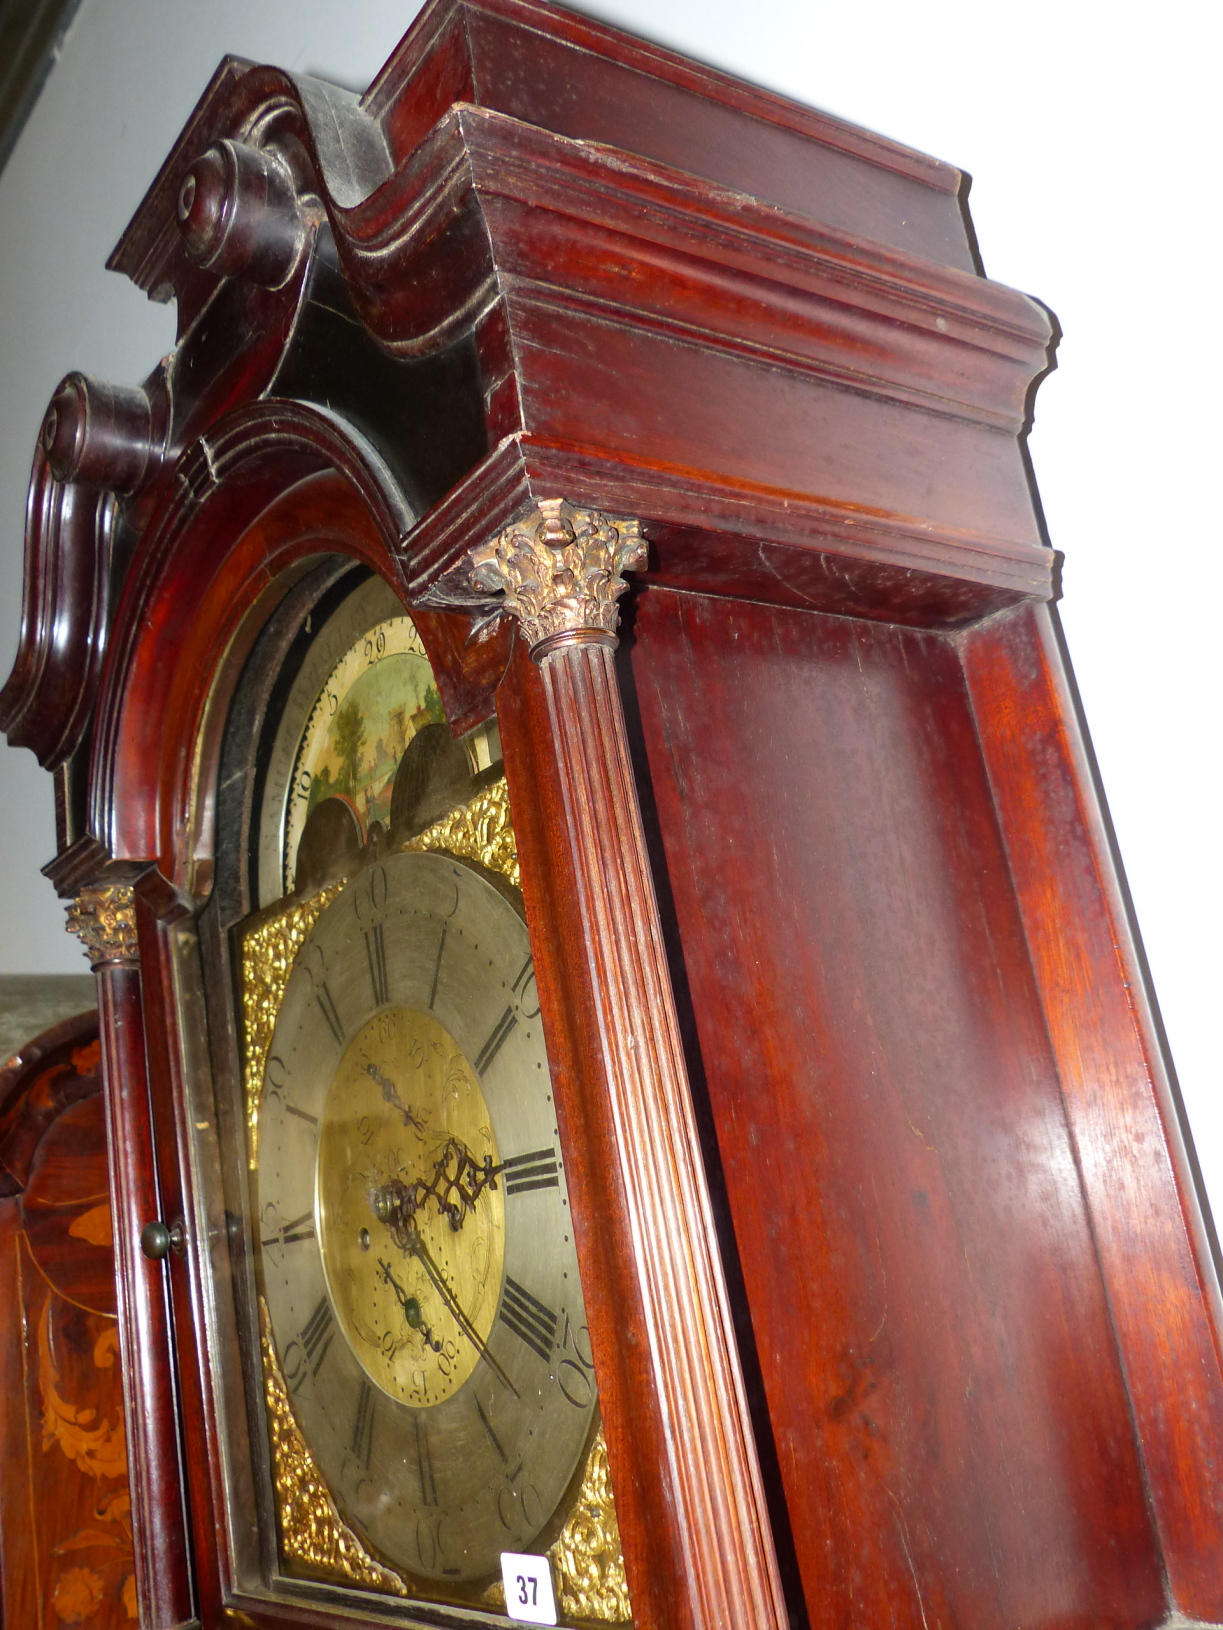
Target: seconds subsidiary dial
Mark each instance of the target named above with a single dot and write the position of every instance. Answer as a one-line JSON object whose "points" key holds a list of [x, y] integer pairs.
{"points": [[416, 1248]]}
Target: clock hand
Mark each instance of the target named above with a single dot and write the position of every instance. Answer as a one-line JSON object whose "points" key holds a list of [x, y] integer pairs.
{"points": [[411, 1308], [420, 1251], [390, 1093], [455, 1184]]}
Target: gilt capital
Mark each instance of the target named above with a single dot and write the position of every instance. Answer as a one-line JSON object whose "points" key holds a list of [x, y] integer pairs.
{"points": [[561, 570], [104, 918]]}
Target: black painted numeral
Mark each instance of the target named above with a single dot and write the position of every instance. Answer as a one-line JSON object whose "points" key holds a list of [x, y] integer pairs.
{"points": [[375, 951], [528, 1318], [363, 1425], [525, 977], [317, 1334], [537, 1170], [495, 1042], [492, 1436], [327, 1007], [437, 966], [424, 1463], [302, 1114]]}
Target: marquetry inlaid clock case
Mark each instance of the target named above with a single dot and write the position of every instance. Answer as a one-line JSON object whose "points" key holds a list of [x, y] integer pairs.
{"points": [[681, 423]]}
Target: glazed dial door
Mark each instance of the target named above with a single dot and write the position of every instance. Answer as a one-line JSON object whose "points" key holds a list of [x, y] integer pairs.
{"points": [[416, 1250]]}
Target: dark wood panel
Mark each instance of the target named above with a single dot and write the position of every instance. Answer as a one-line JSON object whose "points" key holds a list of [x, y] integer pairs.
{"points": [[1157, 1263], [934, 1338], [580, 78], [618, 388]]}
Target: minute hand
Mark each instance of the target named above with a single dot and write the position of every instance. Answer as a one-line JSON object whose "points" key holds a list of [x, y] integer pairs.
{"points": [[420, 1251]]}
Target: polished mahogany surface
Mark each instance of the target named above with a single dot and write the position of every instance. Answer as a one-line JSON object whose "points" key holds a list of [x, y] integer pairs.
{"points": [[943, 1203], [942, 1377]]}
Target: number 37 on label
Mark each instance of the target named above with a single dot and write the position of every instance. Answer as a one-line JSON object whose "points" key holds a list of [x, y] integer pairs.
{"points": [[528, 1588]]}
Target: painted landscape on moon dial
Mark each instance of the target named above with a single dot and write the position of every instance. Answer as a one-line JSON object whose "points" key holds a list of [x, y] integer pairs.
{"points": [[357, 754]]}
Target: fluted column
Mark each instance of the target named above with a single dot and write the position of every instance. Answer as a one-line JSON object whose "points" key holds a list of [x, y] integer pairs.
{"points": [[561, 573], [104, 916]]}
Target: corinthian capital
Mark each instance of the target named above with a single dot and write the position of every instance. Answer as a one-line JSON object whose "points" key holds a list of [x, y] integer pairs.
{"points": [[561, 569], [105, 919]]}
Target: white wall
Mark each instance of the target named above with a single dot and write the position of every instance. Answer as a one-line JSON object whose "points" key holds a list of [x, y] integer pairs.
{"points": [[1092, 136]]}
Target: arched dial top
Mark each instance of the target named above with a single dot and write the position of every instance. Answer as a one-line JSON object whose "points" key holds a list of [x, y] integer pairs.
{"points": [[415, 1243]]}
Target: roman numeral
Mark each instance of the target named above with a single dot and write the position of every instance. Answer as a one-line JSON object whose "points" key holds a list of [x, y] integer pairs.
{"points": [[538, 1170], [317, 1333], [302, 1115], [375, 951], [497, 1040], [492, 1436], [327, 1007], [437, 966], [528, 1318], [363, 1426], [424, 1463]]}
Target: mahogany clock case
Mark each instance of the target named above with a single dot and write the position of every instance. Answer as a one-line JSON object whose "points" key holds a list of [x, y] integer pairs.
{"points": [[899, 1295]]}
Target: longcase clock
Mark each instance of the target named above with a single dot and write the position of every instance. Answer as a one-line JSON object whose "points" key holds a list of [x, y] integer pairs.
{"points": [[628, 1091]]}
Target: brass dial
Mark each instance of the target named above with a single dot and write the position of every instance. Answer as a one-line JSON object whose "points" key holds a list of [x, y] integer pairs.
{"points": [[405, 1122], [416, 1249]]}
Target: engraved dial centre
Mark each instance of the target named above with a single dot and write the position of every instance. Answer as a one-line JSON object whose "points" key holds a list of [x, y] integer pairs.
{"points": [[411, 1215]]}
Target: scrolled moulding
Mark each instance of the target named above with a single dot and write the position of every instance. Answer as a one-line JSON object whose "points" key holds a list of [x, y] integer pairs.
{"points": [[239, 216], [98, 435]]}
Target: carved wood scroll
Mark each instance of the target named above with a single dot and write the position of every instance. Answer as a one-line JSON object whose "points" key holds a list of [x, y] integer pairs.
{"points": [[561, 573]]}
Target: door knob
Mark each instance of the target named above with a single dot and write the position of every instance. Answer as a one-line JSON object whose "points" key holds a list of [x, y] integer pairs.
{"points": [[157, 1240]]}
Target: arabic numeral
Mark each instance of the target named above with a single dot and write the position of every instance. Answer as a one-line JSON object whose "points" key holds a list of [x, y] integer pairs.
{"points": [[519, 1509], [575, 1374], [275, 1077], [294, 1365], [576, 1386], [447, 1359], [432, 1541], [369, 901]]}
